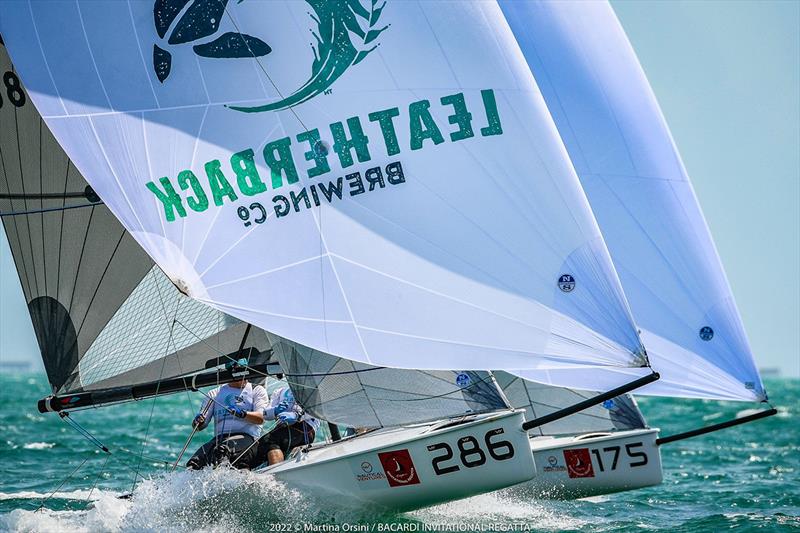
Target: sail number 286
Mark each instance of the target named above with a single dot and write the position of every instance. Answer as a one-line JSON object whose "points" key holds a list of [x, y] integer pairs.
{"points": [[470, 452]]}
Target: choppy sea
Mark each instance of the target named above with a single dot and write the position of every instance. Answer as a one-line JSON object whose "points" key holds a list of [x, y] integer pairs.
{"points": [[53, 479]]}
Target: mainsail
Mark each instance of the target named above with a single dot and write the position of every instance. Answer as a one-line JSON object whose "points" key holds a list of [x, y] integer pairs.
{"points": [[104, 315], [641, 195], [364, 396], [409, 204]]}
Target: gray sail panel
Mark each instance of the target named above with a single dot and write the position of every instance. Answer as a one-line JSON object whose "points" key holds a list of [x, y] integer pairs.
{"points": [[103, 315], [538, 400], [360, 395], [76, 265], [158, 333]]}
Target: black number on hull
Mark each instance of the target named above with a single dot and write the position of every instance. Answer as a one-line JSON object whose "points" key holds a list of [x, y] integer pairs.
{"points": [[448, 454], [495, 446], [615, 461], [474, 449], [471, 455], [633, 455]]}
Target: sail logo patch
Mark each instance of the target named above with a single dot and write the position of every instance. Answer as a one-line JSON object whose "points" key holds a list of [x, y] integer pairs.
{"points": [[566, 283], [399, 468], [579, 463], [346, 32], [706, 333]]}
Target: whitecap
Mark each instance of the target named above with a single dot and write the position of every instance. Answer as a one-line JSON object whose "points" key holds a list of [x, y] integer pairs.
{"points": [[39, 445]]}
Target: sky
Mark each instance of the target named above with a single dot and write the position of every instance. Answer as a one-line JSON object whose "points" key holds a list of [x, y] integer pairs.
{"points": [[727, 77]]}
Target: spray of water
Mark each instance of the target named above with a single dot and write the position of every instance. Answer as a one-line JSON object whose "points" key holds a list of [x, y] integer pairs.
{"points": [[234, 500]]}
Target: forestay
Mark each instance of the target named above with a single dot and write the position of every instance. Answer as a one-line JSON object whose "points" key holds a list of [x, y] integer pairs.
{"points": [[364, 396], [641, 195], [618, 414], [103, 314], [376, 180]]}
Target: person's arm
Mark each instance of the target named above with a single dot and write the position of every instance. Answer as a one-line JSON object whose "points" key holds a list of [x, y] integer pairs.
{"points": [[201, 420], [256, 416]]}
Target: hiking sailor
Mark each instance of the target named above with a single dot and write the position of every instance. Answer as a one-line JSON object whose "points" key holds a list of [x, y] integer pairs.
{"points": [[293, 428], [237, 409]]}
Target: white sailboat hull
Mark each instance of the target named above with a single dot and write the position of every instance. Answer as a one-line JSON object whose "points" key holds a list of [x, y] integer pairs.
{"points": [[593, 464], [407, 468]]}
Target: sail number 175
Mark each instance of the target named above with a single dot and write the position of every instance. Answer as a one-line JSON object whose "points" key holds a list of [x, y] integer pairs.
{"points": [[470, 452], [612, 453]]}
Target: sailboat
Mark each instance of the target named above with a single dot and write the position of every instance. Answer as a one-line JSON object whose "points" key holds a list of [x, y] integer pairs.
{"points": [[640, 192], [397, 230]]}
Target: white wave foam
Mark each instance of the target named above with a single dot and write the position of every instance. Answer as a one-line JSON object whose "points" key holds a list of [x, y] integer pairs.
{"points": [[72, 495], [39, 445], [500, 508], [234, 500], [105, 516]]}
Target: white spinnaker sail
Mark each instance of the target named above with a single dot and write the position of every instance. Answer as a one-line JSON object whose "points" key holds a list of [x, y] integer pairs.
{"points": [[644, 202], [437, 223]]}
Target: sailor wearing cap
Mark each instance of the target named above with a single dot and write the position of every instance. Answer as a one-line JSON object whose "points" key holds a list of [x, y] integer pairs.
{"points": [[237, 409]]}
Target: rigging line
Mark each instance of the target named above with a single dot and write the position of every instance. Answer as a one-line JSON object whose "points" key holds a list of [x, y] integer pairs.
{"points": [[42, 195], [61, 228], [454, 391], [47, 210], [45, 500], [96, 479], [255, 371], [41, 204], [64, 415], [147, 430], [155, 397], [175, 319], [258, 62]]}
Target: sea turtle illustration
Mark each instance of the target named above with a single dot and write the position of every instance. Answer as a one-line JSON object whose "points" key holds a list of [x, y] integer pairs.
{"points": [[346, 33], [198, 20]]}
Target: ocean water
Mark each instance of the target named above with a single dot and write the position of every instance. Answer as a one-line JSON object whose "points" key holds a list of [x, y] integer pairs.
{"points": [[741, 479]]}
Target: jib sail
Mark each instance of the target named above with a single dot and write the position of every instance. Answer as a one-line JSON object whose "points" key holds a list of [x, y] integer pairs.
{"points": [[365, 396]]}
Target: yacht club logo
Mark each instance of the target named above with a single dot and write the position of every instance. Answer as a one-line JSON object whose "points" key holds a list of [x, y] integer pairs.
{"points": [[346, 33], [579, 463], [399, 468]]}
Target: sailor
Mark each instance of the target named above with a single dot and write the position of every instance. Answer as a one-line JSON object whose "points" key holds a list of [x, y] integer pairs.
{"points": [[237, 409], [294, 428]]}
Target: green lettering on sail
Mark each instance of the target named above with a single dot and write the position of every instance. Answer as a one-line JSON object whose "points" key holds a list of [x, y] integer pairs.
{"points": [[461, 117], [492, 116], [318, 153], [244, 166], [422, 125], [187, 179], [168, 197], [385, 119], [278, 157], [220, 187], [357, 141]]}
